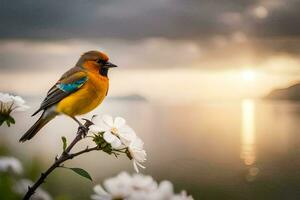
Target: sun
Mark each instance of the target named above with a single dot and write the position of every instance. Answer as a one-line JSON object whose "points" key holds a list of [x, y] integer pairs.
{"points": [[248, 75]]}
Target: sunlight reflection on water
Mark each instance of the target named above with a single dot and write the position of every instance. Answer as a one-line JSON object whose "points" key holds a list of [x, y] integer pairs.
{"points": [[248, 151], [248, 132]]}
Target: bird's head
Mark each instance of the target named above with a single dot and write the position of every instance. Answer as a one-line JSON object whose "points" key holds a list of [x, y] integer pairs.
{"points": [[95, 61]]}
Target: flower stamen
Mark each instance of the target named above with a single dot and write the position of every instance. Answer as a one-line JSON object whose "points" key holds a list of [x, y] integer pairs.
{"points": [[114, 131]]}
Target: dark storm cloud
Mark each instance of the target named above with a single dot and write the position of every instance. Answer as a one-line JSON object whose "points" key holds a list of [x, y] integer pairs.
{"points": [[282, 21], [133, 19], [206, 34]]}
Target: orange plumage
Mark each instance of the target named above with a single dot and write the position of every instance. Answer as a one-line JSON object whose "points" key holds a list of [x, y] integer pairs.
{"points": [[78, 91]]}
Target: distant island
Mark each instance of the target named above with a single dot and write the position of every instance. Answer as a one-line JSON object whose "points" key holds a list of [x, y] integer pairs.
{"points": [[130, 97], [290, 93]]}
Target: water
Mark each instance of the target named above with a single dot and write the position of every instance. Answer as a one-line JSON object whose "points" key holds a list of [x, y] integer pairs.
{"points": [[216, 150]]}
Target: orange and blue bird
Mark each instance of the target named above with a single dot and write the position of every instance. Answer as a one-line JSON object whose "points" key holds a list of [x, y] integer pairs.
{"points": [[78, 91]]}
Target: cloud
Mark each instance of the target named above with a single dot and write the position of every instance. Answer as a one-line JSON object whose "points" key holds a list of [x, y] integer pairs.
{"points": [[137, 19], [221, 52], [279, 21], [146, 53], [148, 34]]}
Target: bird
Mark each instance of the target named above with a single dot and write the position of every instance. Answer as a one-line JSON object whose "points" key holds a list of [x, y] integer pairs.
{"points": [[79, 90]]}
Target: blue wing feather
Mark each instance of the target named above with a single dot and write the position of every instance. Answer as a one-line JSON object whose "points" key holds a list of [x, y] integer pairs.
{"points": [[71, 87], [70, 82]]}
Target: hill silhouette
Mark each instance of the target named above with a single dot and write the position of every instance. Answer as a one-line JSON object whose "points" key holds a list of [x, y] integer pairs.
{"points": [[289, 93]]}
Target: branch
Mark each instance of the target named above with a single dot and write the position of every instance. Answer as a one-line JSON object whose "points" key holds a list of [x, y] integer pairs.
{"points": [[71, 156], [62, 158]]}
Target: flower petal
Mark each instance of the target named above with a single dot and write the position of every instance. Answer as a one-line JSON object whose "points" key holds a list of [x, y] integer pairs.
{"points": [[116, 143], [140, 165], [103, 126], [139, 155], [127, 135], [18, 100], [166, 189], [96, 197], [11, 163], [109, 137], [135, 167], [100, 190], [101, 197], [119, 122], [6, 98], [94, 129]]}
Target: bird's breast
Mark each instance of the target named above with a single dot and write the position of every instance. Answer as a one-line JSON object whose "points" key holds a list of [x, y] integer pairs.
{"points": [[87, 98]]}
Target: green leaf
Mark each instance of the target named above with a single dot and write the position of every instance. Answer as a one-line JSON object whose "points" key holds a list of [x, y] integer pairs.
{"points": [[8, 119], [107, 149], [2, 119], [103, 145], [82, 173], [11, 120], [64, 140]]}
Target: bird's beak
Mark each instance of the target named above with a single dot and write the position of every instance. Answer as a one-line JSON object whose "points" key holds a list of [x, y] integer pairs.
{"points": [[108, 65]]}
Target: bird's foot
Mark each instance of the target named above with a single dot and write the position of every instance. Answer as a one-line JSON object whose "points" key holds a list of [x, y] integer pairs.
{"points": [[83, 130]]}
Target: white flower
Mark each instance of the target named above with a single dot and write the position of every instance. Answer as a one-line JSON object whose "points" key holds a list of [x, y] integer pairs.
{"points": [[124, 186], [137, 152], [143, 187], [19, 103], [116, 132], [118, 187], [120, 135], [165, 190], [10, 164], [101, 194], [182, 196], [136, 187], [22, 187], [94, 129], [143, 183], [9, 103], [5, 98]]}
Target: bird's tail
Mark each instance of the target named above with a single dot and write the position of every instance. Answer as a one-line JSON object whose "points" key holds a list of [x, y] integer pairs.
{"points": [[40, 123]]}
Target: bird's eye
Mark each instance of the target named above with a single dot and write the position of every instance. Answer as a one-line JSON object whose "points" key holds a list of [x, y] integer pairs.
{"points": [[100, 61]]}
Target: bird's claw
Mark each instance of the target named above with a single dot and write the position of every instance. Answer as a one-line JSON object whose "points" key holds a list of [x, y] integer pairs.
{"points": [[83, 130], [88, 122]]}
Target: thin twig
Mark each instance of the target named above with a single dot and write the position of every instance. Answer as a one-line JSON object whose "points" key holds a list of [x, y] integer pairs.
{"points": [[62, 158], [83, 151]]}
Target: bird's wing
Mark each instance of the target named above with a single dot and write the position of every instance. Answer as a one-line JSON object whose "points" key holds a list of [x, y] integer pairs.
{"points": [[70, 82]]}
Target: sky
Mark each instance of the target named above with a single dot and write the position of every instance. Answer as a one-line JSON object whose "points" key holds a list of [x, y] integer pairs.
{"points": [[191, 48]]}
